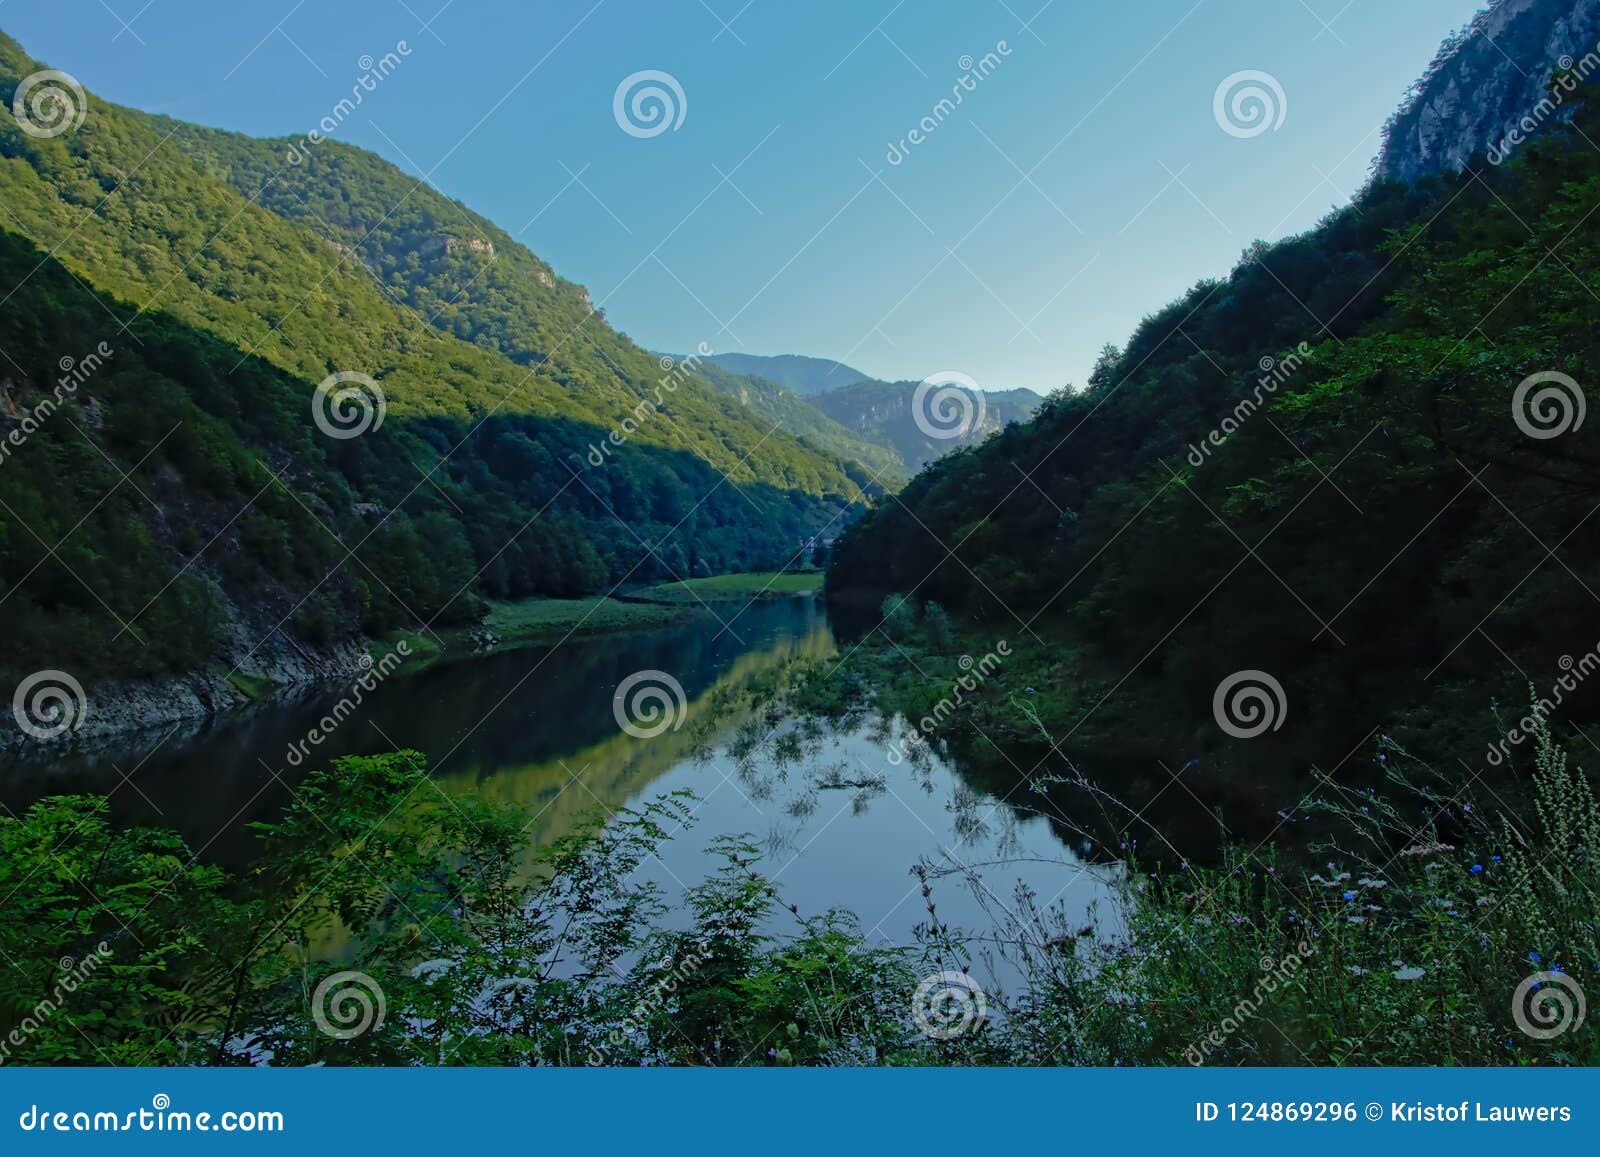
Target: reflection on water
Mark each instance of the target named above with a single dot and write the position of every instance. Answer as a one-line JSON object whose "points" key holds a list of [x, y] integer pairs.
{"points": [[838, 823]]}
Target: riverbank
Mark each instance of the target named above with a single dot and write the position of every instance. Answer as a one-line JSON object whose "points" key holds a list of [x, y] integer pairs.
{"points": [[263, 672], [731, 588]]}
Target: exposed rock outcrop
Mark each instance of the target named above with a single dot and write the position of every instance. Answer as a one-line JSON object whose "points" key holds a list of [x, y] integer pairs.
{"points": [[1489, 86]]}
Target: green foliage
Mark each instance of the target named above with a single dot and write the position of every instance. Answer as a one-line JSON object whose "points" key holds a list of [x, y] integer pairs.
{"points": [[1374, 532], [228, 284], [736, 587], [108, 939], [1406, 948], [777, 406], [883, 412]]}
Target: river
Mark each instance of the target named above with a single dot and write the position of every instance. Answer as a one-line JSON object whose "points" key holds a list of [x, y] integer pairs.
{"points": [[840, 819]]}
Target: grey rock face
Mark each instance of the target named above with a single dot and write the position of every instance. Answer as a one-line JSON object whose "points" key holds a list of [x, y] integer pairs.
{"points": [[1489, 87]]}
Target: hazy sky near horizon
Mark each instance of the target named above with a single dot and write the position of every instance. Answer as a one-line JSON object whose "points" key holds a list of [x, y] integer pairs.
{"points": [[1081, 184]]}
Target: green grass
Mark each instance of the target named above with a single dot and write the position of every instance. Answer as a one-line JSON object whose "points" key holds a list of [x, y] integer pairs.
{"points": [[252, 687], [424, 648], [735, 587], [548, 620]]}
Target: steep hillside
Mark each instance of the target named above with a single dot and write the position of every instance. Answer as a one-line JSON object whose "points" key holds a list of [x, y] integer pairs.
{"points": [[500, 440], [1490, 85], [868, 411], [1387, 509], [779, 407], [796, 372], [451, 270], [887, 413]]}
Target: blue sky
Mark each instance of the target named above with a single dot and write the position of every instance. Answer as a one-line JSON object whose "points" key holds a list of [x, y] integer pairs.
{"points": [[1080, 185]]}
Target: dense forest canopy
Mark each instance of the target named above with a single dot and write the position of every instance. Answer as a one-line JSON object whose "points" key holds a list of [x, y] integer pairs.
{"points": [[183, 499], [1320, 466]]}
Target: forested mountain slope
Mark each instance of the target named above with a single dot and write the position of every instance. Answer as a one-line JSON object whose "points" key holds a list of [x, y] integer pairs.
{"points": [[796, 372], [801, 416], [890, 414], [1330, 465], [491, 471]]}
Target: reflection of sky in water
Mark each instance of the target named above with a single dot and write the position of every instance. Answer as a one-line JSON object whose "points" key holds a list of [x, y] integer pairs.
{"points": [[854, 846], [536, 728]]}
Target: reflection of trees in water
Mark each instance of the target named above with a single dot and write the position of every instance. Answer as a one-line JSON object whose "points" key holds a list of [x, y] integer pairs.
{"points": [[609, 771]]}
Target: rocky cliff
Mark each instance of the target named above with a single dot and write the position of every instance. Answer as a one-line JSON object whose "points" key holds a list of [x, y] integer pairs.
{"points": [[1490, 85]]}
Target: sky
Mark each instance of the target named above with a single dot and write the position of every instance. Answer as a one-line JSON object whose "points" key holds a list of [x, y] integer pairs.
{"points": [[1087, 176]]}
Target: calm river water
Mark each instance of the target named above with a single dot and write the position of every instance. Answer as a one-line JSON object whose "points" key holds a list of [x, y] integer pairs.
{"points": [[840, 824]]}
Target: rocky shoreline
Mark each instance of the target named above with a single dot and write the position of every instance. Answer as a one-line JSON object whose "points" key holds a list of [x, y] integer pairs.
{"points": [[110, 710]]}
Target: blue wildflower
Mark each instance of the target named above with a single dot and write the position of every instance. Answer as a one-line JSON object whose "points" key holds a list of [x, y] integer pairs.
{"points": [[1476, 868], [1349, 895], [1536, 958]]}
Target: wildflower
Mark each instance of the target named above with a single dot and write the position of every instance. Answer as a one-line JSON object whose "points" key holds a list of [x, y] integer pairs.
{"points": [[1349, 895], [1536, 958], [1476, 868]]}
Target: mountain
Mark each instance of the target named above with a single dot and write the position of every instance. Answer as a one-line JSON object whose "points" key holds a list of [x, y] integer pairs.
{"points": [[802, 418], [1491, 84], [1357, 463], [863, 419], [210, 493], [889, 414], [802, 375]]}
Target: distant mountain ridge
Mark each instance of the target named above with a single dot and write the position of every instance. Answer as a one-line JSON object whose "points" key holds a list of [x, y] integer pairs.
{"points": [[797, 372], [886, 412], [861, 418]]}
